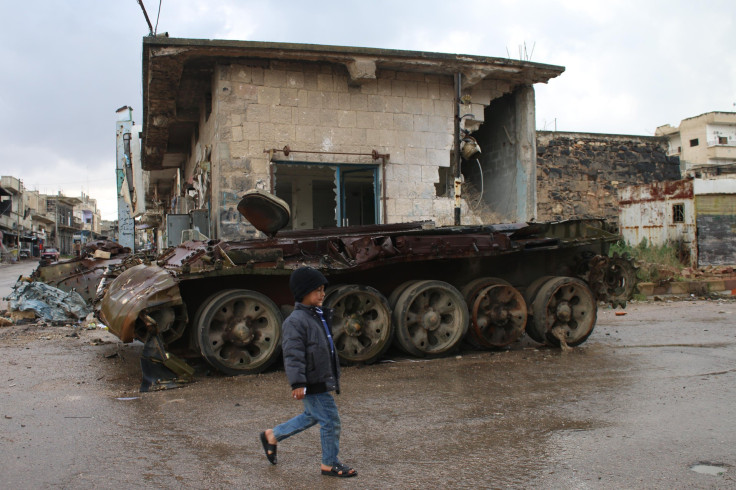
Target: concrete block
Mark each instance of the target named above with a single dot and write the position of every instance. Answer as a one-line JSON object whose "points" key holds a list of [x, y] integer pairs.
{"points": [[383, 86], [369, 87], [444, 108], [314, 99], [376, 103], [646, 288], [305, 134], [716, 285], [289, 97], [251, 131], [346, 119], [412, 106], [393, 104], [257, 113], [269, 95], [328, 118], [237, 133], [274, 78], [343, 101], [256, 75], [383, 120], [364, 119], [430, 174], [358, 102], [325, 82], [281, 115], [294, 79], [307, 117], [240, 73], [416, 156], [679, 287], [330, 100], [403, 122]]}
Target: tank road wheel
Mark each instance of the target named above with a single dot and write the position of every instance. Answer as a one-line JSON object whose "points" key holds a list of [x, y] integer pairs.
{"points": [[564, 312], [498, 316], [361, 323], [529, 294], [430, 318], [239, 331], [470, 293]]}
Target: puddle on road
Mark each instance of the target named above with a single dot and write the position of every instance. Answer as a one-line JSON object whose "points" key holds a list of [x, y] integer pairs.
{"points": [[708, 469]]}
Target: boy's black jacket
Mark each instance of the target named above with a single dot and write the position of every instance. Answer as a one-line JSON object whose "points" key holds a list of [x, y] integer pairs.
{"points": [[307, 357]]}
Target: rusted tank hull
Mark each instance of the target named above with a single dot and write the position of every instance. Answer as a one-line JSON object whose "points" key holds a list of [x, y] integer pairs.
{"points": [[427, 287]]}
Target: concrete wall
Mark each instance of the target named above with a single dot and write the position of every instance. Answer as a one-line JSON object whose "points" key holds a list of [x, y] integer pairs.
{"points": [[311, 107], [578, 174], [647, 213]]}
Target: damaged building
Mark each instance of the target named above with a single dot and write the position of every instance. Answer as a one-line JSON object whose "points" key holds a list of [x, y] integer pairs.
{"points": [[344, 135], [579, 175]]}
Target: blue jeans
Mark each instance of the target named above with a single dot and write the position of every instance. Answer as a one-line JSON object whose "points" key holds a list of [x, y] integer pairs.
{"points": [[318, 408]]}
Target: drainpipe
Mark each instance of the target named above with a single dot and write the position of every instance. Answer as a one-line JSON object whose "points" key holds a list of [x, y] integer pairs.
{"points": [[456, 149]]}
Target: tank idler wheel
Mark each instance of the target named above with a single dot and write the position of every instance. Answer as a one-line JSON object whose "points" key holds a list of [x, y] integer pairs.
{"points": [[564, 312], [529, 294], [430, 318], [498, 316], [361, 323], [239, 331]]}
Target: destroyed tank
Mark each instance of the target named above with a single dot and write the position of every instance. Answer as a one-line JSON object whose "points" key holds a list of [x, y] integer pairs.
{"points": [[421, 288]]}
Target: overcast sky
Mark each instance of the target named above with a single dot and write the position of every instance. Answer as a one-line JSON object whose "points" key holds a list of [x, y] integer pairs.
{"points": [[631, 66]]}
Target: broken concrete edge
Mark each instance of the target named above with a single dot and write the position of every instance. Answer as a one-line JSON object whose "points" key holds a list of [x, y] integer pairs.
{"points": [[726, 287]]}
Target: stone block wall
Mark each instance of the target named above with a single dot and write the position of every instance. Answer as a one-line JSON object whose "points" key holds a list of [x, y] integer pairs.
{"points": [[312, 107], [578, 174]]}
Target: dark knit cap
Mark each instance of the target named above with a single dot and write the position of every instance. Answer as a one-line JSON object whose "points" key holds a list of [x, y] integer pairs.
{"points": [[304, 280]]}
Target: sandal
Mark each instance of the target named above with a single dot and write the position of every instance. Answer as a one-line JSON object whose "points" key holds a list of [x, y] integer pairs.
{"points": [[340, 470], [269, 448]]}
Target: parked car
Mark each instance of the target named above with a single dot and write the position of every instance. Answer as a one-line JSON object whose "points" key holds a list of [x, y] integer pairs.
{"points": [[50, 254], [24, 253]]}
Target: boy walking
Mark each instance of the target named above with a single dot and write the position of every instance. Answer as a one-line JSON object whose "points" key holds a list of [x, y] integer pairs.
{"points": [[313, 370]]}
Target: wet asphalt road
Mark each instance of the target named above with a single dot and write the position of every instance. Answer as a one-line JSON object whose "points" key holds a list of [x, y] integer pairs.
{"points": [[648, 396]]}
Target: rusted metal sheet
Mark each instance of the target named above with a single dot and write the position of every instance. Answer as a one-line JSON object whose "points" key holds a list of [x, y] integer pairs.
{"points": [[657, 191], [659, 213], [135, 291]]}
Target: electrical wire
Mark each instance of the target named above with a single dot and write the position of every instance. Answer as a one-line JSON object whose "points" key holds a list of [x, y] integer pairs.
{"points": [[157, 17], [480, 170]]}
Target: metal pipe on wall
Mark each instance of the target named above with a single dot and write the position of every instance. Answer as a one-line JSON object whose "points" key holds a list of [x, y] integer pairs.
{"points": [[456, 148]]}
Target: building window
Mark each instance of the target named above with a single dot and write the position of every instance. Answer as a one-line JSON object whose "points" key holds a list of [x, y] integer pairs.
{"points": [[323, 195], [694, 142], [678, 213], [722, 140]]}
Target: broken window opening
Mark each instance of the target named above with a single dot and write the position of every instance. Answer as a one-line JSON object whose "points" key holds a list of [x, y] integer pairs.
{"points": [[678, 213], [694, 142], [327, 195], [722, 140]]}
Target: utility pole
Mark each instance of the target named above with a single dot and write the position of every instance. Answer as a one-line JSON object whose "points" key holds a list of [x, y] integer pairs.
{"points": [[126, 223]]}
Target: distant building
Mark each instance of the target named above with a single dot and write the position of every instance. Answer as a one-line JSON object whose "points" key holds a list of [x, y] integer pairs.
{"points": [[706, 144], [696, 215]]}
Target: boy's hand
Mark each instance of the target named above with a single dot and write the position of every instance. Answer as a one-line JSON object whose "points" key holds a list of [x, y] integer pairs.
{"points": [[298, 393]]}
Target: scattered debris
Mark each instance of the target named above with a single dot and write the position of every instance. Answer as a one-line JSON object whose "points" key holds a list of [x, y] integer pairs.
{"points": [[36, 299]]}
